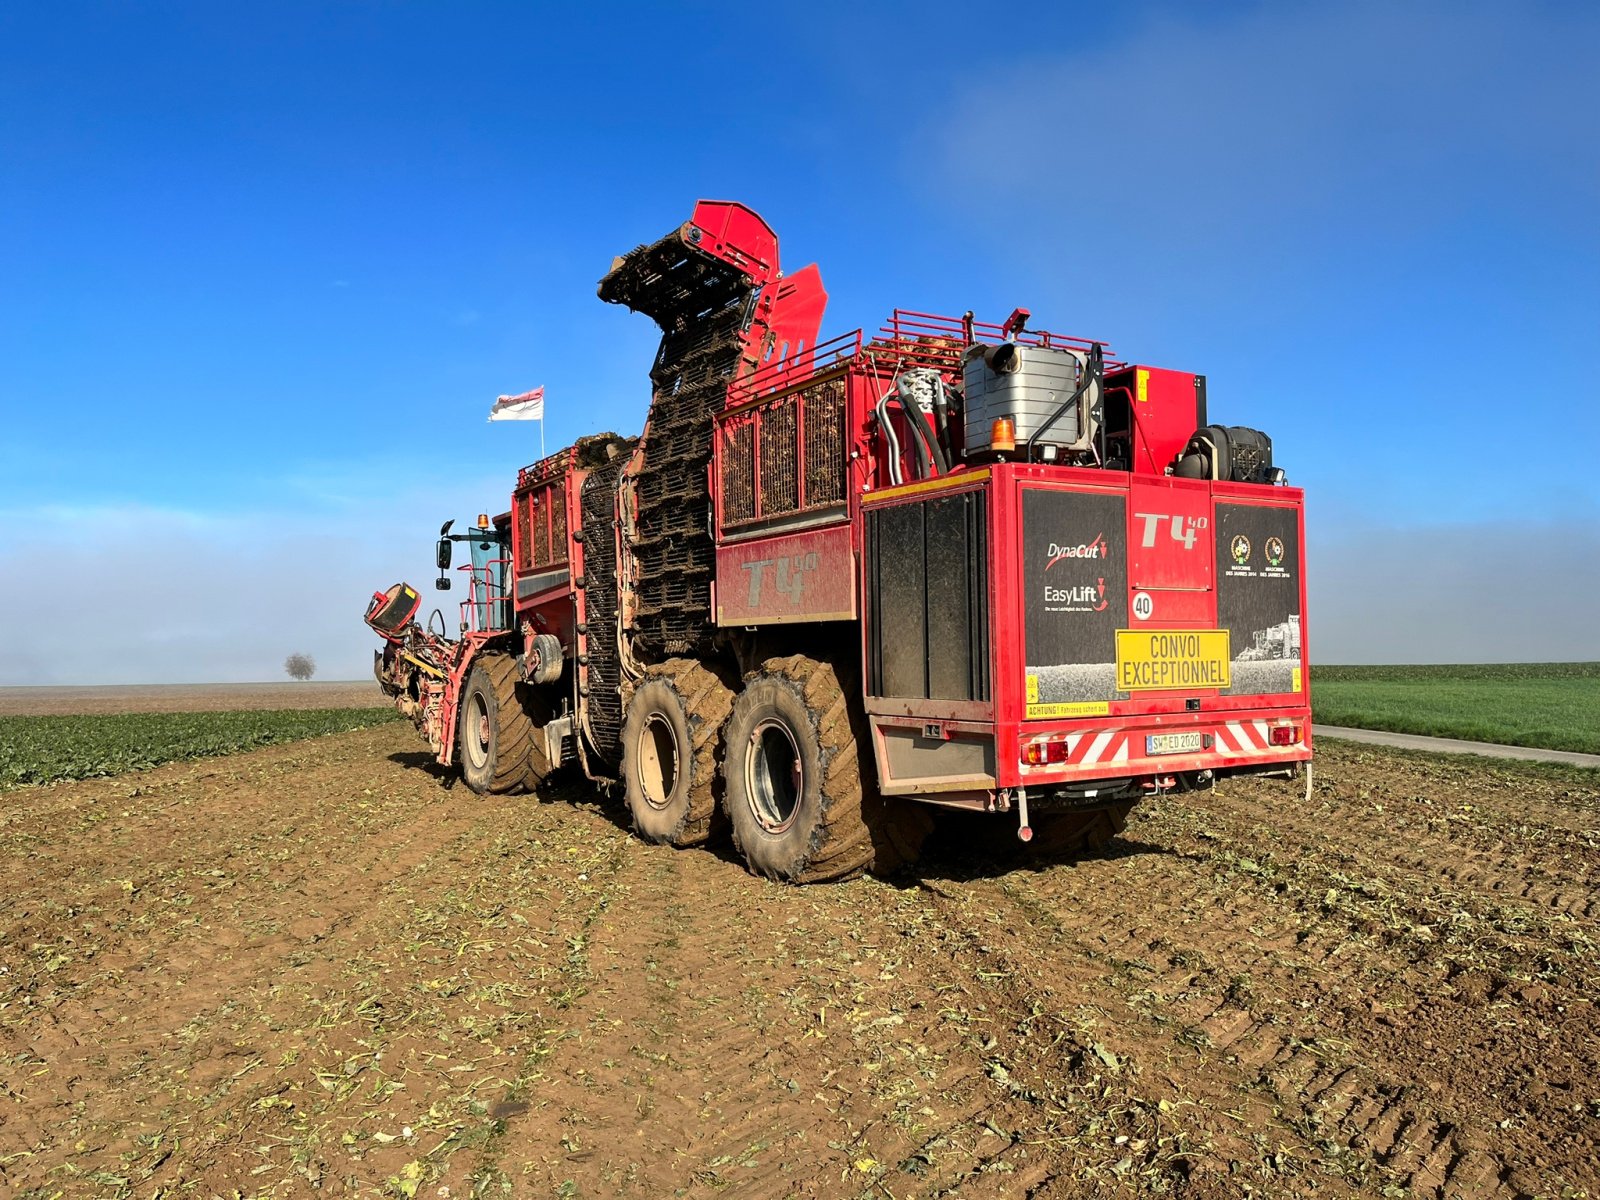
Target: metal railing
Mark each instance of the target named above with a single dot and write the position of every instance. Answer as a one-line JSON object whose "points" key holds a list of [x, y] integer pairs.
{"points": [[488, 606]]}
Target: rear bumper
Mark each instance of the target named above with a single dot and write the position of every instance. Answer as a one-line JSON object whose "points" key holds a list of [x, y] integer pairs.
{"points": [[960, 761], [1143, 746]]}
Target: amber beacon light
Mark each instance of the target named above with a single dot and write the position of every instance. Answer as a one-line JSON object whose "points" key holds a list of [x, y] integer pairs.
{"points": [[1003, 435]]}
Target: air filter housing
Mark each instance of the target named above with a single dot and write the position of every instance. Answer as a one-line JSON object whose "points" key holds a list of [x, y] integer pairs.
{"points": [[1027, 384]]}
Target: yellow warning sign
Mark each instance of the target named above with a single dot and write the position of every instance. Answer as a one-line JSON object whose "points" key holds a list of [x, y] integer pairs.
{"points": [[1297, 681], [1075, 708], [1168, 659]]}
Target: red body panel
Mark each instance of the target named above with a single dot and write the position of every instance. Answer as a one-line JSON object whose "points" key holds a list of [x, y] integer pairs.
{"points": [[1164, 548], [787, 578], [1156, 410], [728, 230]]}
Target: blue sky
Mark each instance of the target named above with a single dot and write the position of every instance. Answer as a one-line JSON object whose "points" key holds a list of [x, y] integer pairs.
{"points": [[263, 270]]}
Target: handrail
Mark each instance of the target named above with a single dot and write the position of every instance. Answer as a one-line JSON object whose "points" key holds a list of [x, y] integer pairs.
{"points": [[775, 375], [480, 601]]}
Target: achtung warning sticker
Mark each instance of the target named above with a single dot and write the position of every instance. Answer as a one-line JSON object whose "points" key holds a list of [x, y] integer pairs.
{"points": [[1169, 659], [1081, 708]]}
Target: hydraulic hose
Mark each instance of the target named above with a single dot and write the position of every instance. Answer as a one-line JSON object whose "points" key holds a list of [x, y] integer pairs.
{"points": [[921, 442], [884, 424], [923, 448]]}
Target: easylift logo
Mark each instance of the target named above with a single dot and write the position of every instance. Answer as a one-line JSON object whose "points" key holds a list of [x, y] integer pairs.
{"points": [[1079, 598], [1094, 548], [1183, 530]]}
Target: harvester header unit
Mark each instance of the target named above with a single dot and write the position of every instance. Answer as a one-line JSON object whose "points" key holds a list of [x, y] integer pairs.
{"points": [[836, 587]]}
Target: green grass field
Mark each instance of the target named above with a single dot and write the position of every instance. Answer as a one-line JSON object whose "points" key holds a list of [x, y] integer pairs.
{"points": [[44, 749], [1552, 705]]}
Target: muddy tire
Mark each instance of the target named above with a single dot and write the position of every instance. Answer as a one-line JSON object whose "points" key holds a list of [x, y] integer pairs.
{"points": [[671, 744], [539, 712], [494, 733], [797, 791], [1063, 835]]}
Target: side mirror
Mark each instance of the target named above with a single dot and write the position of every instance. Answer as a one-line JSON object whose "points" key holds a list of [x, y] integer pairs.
{"points": [[443, 555]]}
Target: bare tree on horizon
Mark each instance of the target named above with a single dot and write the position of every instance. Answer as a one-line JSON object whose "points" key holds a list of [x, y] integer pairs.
{"points": [[300, 667]]}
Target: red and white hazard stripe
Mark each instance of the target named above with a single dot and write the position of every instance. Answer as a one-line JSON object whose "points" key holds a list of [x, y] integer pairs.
{"points": [[1244, 737], [1097, 746], [1108, 747]]}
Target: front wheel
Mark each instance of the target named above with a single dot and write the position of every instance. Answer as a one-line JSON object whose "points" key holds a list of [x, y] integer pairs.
{"points": [[493, 730], [801, 808]]}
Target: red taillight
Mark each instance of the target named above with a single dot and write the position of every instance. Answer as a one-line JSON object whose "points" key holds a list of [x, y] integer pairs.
{"points": [[1038, 754], [1285, 735]]}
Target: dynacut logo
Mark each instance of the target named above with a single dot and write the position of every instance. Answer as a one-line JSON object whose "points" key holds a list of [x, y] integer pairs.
{"points": [[1183, 530], [1095, 548]]}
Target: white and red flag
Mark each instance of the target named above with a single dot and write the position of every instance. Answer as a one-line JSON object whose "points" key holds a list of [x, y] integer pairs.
{"points": [[527, 407]]}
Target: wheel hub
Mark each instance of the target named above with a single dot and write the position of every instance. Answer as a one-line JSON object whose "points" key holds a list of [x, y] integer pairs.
{"points": [[478, 731], [774, 776], [658, 761]]}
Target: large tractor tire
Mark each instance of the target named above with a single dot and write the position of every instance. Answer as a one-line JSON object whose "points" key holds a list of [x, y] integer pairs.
{"points": [[1056, 835], [494, 732], [801, 805], [539, 712], [1063, 835], [671, 743]]}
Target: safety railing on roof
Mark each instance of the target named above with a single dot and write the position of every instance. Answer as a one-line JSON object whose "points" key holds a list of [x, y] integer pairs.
{"points": [[778, 374], [545, 468], [939, 341]]}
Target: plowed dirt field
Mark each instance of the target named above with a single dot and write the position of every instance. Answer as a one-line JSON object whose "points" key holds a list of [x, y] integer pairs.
{"points": [[317, 970]]}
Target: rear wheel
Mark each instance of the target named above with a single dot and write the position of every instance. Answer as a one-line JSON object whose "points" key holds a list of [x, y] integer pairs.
{"points": [[964, 833], [1062, 835], [671, 741], [494, 732], [800, 804]]}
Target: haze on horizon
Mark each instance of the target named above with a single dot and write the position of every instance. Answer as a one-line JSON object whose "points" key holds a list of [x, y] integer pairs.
{"points": [[265, 271]]}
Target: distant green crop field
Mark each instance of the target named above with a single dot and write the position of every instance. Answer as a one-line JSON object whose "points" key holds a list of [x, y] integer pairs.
{"points": [[43, 749], [1552, 705]]}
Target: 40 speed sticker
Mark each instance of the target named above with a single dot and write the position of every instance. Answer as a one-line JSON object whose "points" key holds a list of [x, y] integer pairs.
{"points": [[1156, 659]]}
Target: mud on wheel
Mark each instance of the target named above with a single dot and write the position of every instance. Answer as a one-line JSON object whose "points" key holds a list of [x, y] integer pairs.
{"points": [[1065, 834], [499, 744], [801, 806], [671, 742]]}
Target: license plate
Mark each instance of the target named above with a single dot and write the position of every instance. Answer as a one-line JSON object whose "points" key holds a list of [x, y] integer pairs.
{"points": [[1171, 743]]}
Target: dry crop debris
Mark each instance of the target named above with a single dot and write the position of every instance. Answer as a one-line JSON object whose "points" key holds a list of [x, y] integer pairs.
{"points": [[316, 970]]}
